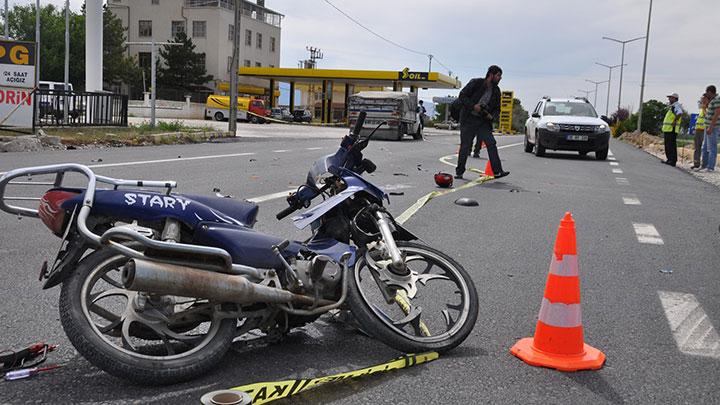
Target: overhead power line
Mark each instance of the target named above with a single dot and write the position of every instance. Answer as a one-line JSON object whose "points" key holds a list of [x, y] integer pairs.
{"points": [[391, 42]]}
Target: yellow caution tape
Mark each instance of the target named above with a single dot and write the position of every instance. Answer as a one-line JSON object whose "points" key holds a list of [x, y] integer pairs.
{"points": [[264, 392], [402, 218], [401, 299]]}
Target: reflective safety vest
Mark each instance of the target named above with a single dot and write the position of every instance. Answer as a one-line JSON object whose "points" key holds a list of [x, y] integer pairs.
{"points": [[668, 122], [700, 123]]}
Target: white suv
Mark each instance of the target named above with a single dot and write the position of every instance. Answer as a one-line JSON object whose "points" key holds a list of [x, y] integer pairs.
{"points": [[566, 124]]}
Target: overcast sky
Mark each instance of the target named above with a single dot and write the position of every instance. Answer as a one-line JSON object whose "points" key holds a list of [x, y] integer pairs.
{"points": [[544, 47]]}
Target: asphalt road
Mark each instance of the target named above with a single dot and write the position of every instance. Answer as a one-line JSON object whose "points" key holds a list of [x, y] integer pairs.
{"points": [[505, 244]]}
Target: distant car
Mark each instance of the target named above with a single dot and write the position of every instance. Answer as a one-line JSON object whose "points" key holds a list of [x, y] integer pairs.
{"points": [[567, 124], [302, 116], [286, 114], [276, 113]]}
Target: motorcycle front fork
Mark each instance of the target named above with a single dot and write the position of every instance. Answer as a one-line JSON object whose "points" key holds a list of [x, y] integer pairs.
{"points": [[386, 226]]}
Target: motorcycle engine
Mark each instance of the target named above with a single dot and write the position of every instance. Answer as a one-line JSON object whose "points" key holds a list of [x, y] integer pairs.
{"points": [[323, 275]]}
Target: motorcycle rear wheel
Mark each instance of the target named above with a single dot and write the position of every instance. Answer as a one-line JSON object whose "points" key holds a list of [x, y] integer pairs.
{"points": [[422, 321], [104, 324]]}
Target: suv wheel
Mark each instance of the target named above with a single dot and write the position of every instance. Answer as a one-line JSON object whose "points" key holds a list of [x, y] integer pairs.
{"points": [[601, 154], [528, 145], [539, 149]]}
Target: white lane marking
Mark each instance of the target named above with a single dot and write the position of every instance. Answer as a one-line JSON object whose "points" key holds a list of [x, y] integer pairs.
{"points": [[147, 162], [445, 159], [622, 181], [281, 150], [631, 199], [272, 196], [617, 171], [610, 153], [614, 164], [393, 187], [313, 148], [693, 332], [612, 158], [646, 233]]}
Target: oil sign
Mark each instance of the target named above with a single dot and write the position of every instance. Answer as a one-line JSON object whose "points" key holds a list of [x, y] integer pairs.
{"points": [[17, 79]]}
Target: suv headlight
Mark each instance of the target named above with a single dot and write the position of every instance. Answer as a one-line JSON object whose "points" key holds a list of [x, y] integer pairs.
{"points": [[552, 127], [601, 128]]}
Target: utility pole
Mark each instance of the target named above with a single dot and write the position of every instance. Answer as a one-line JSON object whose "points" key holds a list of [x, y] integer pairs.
{"points": [[66, 76], [642, 82], [610, 68], [37, 39], [153, 73], [430, 63], [596, 89], [232, 121], [7, 27], [622, 61]]}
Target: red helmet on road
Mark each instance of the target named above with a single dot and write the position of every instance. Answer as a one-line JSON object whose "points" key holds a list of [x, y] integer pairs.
{"points": [[443, 180]]}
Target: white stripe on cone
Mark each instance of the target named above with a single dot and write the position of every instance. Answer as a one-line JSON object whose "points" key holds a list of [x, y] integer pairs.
{"points": [[567, 266], [559, 314]]}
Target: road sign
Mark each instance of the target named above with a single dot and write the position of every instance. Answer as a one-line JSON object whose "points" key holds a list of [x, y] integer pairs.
{"points": [[506, 107], [17, 81]]}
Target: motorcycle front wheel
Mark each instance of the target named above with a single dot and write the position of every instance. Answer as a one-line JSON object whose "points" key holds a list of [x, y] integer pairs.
{"points": [[433, 307], [147, 339]]}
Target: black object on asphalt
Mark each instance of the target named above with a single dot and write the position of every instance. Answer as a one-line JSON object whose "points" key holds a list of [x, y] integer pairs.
{"points": [[467, 202]]}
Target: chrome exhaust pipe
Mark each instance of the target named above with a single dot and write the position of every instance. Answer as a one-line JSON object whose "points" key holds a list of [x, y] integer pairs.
{"points": [[172, 279]]}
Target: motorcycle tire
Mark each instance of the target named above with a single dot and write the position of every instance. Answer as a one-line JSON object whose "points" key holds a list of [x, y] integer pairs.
{"points": [[141, 368], [379, 325]]}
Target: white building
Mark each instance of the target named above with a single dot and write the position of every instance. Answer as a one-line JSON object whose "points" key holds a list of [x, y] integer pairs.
{"points": [[209, 23]]}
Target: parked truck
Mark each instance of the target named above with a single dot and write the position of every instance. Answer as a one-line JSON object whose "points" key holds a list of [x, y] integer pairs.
{"points": [[249, 109], [397, 108]]}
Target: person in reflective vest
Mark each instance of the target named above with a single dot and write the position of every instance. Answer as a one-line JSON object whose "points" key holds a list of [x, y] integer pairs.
{"points": [[671, 127], [699, 131]]}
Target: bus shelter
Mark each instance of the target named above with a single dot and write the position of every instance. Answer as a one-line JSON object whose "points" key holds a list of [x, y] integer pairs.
{"points": [[326, 83]]}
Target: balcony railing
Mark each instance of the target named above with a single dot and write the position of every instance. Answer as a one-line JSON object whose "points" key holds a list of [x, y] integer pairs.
{"points": [[249, 10]]}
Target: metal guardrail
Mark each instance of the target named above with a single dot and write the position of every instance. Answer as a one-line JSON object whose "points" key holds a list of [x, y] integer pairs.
{"points": [[83, 108]]}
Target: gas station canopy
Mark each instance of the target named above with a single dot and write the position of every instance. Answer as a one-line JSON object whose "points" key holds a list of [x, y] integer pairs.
{"points": [[385, 78]]}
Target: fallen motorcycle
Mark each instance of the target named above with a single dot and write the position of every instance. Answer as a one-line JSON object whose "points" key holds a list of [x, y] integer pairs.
{"points": [[156, 285]]}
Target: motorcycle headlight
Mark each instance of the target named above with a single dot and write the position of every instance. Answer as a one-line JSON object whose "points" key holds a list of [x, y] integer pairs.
{"points": [[552, 127]]}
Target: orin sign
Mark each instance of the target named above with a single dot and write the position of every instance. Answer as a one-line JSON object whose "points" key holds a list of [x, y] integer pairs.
{"points": [[17, 81]]}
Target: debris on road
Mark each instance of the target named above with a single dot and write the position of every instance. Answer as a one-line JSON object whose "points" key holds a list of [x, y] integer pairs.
{"points": [[467, 202]]}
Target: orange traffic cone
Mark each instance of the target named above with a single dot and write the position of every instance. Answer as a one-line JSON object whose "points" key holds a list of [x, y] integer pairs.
{"points": [[558, 341], [488, 170]]}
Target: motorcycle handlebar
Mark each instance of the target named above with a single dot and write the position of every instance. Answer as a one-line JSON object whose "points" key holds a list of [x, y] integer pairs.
{"points": [[359, 124], [287, 211]]}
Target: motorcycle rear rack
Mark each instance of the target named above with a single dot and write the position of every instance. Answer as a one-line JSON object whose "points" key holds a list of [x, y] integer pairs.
{"points": [[118, 232]]}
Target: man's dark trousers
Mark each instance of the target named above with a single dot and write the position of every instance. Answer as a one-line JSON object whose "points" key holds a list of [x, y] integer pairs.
{"points": [[671, 147], [483, 130]]}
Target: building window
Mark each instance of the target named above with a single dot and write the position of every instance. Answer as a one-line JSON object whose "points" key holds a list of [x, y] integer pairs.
{"points": [[145, 28], [199, 29], [177, 28], [144, 60], [248, 38], [201, 60], [272, 44], [231, 32], [155, 2], [246, 63], [258, 41], [258, 64]]}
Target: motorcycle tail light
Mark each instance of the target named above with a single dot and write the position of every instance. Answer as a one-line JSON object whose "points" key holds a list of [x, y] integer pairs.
{"points": [[50, 211]]}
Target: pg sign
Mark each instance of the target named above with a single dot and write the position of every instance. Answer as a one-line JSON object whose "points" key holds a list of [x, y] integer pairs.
{"points": [[17, 81]]}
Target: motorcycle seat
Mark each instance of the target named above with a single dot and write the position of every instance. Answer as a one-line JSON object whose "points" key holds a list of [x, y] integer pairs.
{"points": [[240, 210]]}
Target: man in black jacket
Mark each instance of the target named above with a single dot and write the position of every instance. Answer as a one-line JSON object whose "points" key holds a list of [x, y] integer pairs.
{"points": [[480, 100]]}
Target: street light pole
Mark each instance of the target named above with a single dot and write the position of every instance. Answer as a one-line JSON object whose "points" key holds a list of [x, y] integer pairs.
{"points": [[7, 27], [587, 92], [622, 61], [37, 39], [610, 68], [430, 63], [153, 74], [596, 89], [642, 82], [66, 75]]}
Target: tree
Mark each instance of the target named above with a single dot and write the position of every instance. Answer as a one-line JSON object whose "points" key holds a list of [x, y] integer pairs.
{"points": [[519, 116], [182, 68], [653, 116], [118, 67]]}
